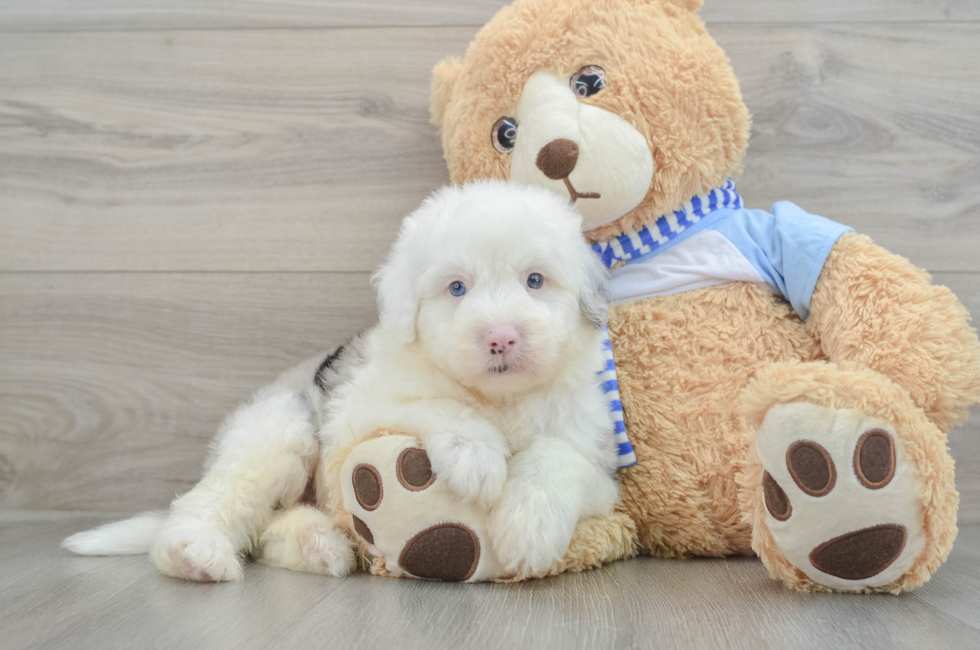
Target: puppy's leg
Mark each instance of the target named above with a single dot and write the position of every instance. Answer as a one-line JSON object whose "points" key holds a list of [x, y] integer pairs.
{"points": [[469, 454], [305, 539], [465, 450], [550, 486], [262, 456]]}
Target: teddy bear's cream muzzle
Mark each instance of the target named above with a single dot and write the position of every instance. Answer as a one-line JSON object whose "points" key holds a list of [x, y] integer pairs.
{"points": [[581, 151]]}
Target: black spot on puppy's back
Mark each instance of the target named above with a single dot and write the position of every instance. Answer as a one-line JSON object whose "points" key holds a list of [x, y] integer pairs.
{"points": [[320, 378]]}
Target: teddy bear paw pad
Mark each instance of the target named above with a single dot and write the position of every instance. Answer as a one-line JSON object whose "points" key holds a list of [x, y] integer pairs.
{"points": [[861, 554], [840, 495], [407, 516], [442, 552]]}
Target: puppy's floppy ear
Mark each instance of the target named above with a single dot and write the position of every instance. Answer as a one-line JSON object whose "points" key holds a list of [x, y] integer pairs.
{"points": [[396, 286], [593, 293], [444, 77]]}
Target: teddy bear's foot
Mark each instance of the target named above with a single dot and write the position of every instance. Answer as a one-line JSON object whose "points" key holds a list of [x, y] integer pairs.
{"points": [[841, 495], [305, 539], [852, 495], [409, 519]]}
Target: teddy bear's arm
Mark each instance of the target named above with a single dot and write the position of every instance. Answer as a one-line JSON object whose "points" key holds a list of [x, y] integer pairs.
{"points": [[876, 309]]}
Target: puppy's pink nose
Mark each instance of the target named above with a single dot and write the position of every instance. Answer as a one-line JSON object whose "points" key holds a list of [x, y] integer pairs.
{"points": [[502, 340]]}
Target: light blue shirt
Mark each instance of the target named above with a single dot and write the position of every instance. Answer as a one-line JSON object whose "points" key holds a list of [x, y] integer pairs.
{"points": [[784, 249], [787, 246]]}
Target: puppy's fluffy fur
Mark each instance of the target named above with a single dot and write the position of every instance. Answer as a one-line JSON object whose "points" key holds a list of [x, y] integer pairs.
{"points": [[492, 306]]}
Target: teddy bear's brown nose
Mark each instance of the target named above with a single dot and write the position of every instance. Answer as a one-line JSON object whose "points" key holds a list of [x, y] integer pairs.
{"points": [[557, 158]]}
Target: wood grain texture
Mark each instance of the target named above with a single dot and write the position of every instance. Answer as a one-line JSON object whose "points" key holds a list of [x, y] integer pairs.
{"points": [[839, 11], [154, 15], [53, 600], [111, 385], [252, 151], [102, 15], [300, 150], [869, 126]]}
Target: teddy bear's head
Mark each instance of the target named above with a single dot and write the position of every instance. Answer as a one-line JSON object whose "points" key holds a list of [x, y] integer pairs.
{"points": [[628, 107]]}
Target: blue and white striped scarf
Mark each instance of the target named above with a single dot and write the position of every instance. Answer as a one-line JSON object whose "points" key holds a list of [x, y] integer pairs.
{"points": [[610, 388], [668, 228], [644, 243]]}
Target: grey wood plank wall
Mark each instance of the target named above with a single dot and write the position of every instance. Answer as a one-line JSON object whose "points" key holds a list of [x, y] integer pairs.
{"points": [[192, 194], [72, 15]]}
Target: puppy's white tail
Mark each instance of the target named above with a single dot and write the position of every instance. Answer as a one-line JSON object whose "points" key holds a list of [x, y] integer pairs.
{"points": [[128, 537]]}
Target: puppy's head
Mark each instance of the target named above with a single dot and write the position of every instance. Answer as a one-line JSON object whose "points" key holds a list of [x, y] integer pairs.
{"points": [[496, 284]]}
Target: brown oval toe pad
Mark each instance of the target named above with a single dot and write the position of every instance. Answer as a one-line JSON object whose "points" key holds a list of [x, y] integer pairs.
{"points": [[414, 470], [874, 459], [442, 552], [811, 467], [362, 529], [777, 502], [860, 554], [368, 489]]}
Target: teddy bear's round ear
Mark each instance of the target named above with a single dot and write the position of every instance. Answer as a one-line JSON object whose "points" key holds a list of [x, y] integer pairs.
{"points": [[444, 77]]}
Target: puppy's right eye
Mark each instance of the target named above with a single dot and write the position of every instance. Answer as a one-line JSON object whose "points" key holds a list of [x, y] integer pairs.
{"points": [[457, 288], [504, 134]]}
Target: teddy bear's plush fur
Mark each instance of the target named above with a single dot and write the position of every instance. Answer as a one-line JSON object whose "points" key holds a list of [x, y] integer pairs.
{"points": [[717, 380], [666, 77]]}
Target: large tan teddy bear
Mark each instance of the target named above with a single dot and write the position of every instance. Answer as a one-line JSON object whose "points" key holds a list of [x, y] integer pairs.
{"points": [[787, 385]]}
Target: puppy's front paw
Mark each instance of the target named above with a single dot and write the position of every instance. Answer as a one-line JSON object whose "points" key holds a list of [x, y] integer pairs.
{"points": [[474, 468], [529, 532]]}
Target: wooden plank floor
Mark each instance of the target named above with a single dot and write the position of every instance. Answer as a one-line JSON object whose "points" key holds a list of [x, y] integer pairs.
{"points": [[192, 196], [52, 600]]}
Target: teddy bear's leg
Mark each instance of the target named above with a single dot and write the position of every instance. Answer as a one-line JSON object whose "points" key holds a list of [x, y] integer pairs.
{"points": [[405, 516], [304, 539], [847, 484]]}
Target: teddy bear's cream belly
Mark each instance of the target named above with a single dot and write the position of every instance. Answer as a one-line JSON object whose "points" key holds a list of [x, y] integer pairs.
{"points": [[682, 362]]}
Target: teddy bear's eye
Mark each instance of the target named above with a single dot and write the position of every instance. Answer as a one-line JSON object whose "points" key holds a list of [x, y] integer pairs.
{"points": [[504, 134], [588, 81]]}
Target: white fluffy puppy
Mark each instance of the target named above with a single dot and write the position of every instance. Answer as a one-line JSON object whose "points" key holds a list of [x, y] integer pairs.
{"points": [[492, 306]]}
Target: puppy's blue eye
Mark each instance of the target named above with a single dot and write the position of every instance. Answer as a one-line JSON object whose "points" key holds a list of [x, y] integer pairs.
{"points": [[535, 280], [457, 288]]}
